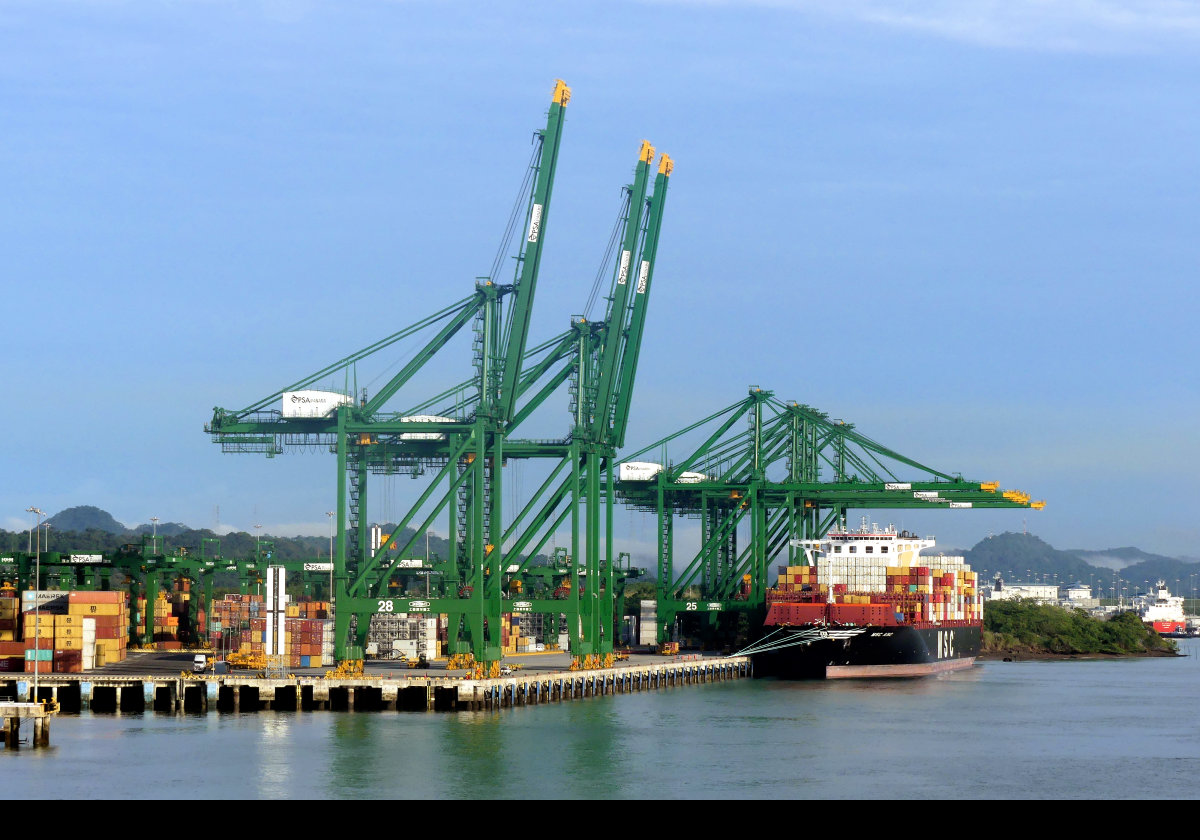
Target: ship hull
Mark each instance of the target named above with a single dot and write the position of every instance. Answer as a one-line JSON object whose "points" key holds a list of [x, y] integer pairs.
{"points": [[1169, 627], [876, 651]]}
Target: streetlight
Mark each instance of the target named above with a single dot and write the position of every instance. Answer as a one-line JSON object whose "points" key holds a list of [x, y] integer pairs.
{"points": [[258, 551], [37, 603], [330, 514]]}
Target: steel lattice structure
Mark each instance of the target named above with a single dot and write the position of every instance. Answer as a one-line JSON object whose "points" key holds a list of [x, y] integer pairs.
{"points": [[758, 473]]}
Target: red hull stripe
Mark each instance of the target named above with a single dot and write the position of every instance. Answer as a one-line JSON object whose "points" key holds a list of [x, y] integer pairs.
{"points": [[922, 669]]}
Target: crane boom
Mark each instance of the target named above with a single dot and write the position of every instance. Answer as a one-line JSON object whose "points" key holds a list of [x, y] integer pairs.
{"points": [[637, 319], [531, 253], [618, 312]]}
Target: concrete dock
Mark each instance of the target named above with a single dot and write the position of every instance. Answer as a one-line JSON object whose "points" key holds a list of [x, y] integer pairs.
{"points": [[376, 690], [11, 716]]}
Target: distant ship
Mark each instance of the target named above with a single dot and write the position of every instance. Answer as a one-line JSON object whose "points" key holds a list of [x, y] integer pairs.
{"points": [[867, 604], [1162, 611]]}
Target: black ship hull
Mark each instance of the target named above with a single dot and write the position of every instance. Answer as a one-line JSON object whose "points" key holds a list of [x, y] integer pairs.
{"points": [[875, 651]]}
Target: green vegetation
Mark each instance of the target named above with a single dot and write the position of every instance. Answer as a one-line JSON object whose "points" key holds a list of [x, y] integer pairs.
{"points": [[1023, 627]]}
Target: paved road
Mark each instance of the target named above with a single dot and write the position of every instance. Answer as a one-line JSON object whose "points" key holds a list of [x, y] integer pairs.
{"points": [[173, 662]]}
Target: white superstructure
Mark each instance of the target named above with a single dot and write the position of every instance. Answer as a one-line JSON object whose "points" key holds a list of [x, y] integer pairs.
{"points": [[1159, 605]]}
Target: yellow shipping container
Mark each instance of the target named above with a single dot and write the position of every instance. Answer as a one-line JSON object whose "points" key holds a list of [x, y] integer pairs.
{"points": [[105, 609], [68, 643], [8, 635]]}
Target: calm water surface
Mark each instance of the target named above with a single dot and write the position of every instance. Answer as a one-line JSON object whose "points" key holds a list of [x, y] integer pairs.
{"points": [[1003, 730]]}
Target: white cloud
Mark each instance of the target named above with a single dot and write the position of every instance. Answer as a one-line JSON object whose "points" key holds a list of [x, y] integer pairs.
{"points": [[1072, 25]]}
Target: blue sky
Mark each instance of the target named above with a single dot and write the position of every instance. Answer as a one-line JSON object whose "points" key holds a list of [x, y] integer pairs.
{"points": [[969, 228]]}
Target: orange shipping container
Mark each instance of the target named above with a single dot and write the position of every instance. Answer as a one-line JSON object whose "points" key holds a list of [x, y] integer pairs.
{"points": [[96, 598]]}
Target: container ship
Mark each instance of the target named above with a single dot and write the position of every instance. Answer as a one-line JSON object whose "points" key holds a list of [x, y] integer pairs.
{"points": [[866, 603]]}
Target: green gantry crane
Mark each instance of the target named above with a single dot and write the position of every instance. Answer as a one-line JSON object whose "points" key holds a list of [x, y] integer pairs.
{"points": [[759, 473], [462, 438]]}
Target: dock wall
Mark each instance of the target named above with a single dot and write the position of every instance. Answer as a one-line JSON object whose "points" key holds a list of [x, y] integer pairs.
{"points": [[241, 693]]}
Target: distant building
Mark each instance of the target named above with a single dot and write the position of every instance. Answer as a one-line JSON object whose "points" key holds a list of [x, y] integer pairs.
{"points": [[1077, 592], [1044, 593], [1078, 595]]}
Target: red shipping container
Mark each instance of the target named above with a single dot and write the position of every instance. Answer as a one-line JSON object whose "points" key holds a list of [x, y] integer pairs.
{"points": [[12, 648], [32, 667]]}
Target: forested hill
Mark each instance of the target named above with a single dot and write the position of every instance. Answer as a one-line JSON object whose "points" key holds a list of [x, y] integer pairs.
{"points": [[1018, 557]]}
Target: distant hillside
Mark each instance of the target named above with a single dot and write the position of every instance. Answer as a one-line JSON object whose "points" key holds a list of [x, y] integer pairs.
{"points": [[1117, 558], [1018, 557], [86, 518], [164, 529], [1023, 556]]}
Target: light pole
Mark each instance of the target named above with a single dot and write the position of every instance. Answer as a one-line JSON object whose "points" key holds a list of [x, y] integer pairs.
{"points": [[258, 552], [37, 603], [330, 514]]}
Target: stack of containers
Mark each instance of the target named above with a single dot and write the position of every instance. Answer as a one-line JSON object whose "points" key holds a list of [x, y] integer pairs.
{"points": [[100, 620], [947, 592], [166, 626], [240, 623], [12, 650], [73, 635], [327, 641], [527, 627], [406, 634], [38, 611], [10, 610], [181, 606], [308, 634], [313, 609], [304, 642], [647, 623], [39, 642], [139, 616], [509, 637]]}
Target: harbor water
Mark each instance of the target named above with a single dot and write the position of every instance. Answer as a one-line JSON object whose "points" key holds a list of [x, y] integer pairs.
{"points": [[1003, 730]]}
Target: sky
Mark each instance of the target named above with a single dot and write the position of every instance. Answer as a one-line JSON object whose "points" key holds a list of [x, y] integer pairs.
{"points": [[967, 227]]}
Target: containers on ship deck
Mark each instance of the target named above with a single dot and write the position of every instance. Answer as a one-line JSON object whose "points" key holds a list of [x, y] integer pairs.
{"points": [[947, 591]]}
